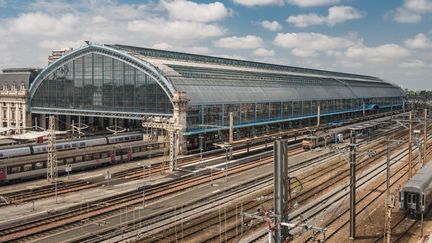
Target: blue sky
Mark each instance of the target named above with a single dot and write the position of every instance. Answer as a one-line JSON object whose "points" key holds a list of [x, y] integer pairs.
{"points": [[391, 39]]}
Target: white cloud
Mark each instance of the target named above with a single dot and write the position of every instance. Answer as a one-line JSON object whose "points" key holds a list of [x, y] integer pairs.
{"points": [[312, 3], [203, 50], [411, 11], [308, 44], [242, 42], [187, 10], [54, 44], [175, 29], [412, 64], [271, 25], [43, 24], [238, 57], [162, 46], [261, 52], [418, 5], [377, 54], [305, 20], [252, 3], [405, 16], [336, 15], [420, 41]]}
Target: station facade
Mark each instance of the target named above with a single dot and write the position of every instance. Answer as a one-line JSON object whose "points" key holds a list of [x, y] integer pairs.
{"points": [[191, 95]]}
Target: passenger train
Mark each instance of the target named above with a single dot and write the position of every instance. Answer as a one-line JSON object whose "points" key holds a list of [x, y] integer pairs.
{"points": [[415, 196], [17, 151], [35, 166]]}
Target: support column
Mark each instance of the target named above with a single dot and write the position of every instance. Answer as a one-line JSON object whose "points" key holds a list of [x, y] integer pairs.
{"points": [[364, 109], [42, 121], [68, 122], [24, 116], [180, 101], [410, 145], [1, 116], [172, 152], [101, 123], [425, 137], [318, 115], [56, 122], [352, 188], [17, 117], [281, 180], [8, 114]]}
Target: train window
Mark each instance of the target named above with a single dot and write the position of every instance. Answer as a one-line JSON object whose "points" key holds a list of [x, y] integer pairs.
{"points": [[39, 165], [96, 156], [44, 149], [121, 139], [137, 149], [66, 146], [87, 157], [127, 138], [69, 160], [74, 145], [423, 199], [104, 155], [28, 167], [15, 169], [78, 159], [118, 152], [1, 155], [60, 162], [82, 144]]}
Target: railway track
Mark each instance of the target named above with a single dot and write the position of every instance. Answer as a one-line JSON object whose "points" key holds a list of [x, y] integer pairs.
{"points": [[342, 219], [33, 194], [136, 173], [109, 206], [302, 201], [100, 209], [203, 221]]}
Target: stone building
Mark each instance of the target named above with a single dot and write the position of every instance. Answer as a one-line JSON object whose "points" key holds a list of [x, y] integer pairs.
{"points": [[14, 112]]}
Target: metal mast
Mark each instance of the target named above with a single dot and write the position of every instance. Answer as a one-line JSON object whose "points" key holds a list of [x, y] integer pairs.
{"points": [[52, 152]]}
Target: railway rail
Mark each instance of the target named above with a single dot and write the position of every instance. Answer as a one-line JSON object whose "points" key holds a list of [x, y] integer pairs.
{"points": [[197, 225], [33, 194], [260, 237], [397, 174], [111, 205]]}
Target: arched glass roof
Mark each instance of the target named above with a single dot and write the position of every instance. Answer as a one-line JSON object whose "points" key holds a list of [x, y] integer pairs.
{"points": [[208, 80]]}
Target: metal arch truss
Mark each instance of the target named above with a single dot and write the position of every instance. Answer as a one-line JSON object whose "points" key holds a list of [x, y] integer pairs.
{"points": [[95, 113], [125, 57]]}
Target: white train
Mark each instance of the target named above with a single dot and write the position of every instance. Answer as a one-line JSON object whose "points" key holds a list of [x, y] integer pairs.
{"points": [[16, 151]]}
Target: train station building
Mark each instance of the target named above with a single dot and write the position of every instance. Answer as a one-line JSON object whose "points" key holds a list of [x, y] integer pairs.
{"points": [[192, 96]]}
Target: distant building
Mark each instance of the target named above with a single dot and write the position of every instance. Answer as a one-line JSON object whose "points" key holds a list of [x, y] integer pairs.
{"points": [[14, 85], [56, 54]]}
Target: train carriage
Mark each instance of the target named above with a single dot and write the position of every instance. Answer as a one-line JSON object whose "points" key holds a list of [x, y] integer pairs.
{"points": [[416, 195], [16, 151], [35, 166]]}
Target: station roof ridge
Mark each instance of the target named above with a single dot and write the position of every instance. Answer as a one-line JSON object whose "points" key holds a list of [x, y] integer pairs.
{"points": [[198, 58]]}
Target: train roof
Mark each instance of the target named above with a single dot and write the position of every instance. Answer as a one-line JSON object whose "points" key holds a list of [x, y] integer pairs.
{"points": [[422, 179], [71, 152]]}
